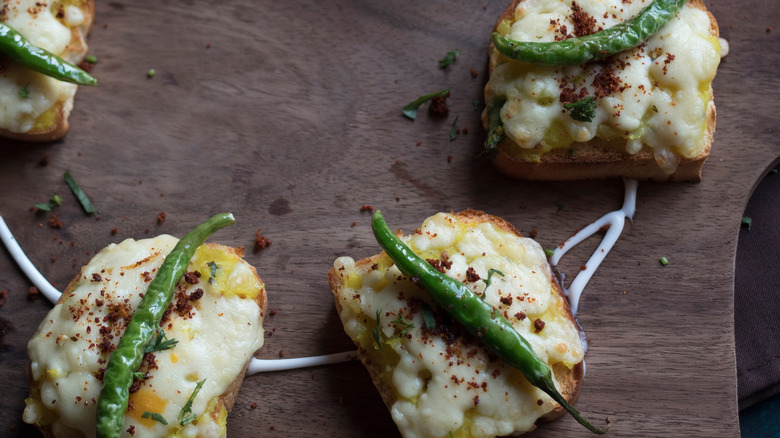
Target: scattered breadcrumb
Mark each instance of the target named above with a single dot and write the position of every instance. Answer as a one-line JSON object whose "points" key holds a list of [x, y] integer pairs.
{"points": [[55, 222], [115, 231], [474, 74], [161, 217], [438, 105], [261, 241], [254, 405], [44, 161], [32, 293], [3, 296], [367, 208]]}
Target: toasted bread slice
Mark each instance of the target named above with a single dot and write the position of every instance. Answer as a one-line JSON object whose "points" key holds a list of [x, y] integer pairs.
{"points": [[635, 145], [223, 312], [432, 375], [61, 28]]}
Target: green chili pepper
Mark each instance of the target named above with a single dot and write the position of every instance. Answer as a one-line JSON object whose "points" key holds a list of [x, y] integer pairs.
{"points": [[19, 49], [478, 317], [623, 36], [127, 357]]}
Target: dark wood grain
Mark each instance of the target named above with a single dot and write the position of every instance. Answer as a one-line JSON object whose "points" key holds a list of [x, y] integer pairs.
{"points": [[288, 114]]}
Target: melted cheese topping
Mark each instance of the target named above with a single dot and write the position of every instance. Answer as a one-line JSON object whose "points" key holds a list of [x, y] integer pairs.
{"points": [[38, 22], [217, 335], [442, 379], [660, 102]]}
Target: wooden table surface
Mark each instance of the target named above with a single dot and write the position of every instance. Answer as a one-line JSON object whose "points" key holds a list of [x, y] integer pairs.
{"points": [[288, 114]]}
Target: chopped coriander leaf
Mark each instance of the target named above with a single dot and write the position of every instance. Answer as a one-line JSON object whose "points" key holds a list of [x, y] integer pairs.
{"points": [[664, 261], [583, 110], [410, 111], [53, 202], [451, 435], [139, 375], [186, 416], [378, 330], [428, 319], [80, 195], [161, 342], [495, 129], [214, 268], [405, 323], [154, 416], [150, 74], [92, 59], [549, 252], [453, 129], [491, 272], [747, 222], [449, 59], [24, 92]]}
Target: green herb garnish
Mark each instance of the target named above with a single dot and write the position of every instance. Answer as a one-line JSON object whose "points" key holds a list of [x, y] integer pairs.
{"points": [[449, 59], [428, 319], [214, 268], [747, 222], [24, 92], [664, 261], [410, 110], [583, 110], [80, 195], [377, 330], [549, 252], [496, 132], [186, 416], [150, 74], [53, 202], [161, 342], [92, 59], [453, 129], [403, 322], [491, 272], [137, 375], [154, 416]]}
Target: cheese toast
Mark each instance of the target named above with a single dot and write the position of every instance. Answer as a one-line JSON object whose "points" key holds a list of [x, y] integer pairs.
{"points": [[654, 113], [37, 107], [215, 323], [434, 377]]}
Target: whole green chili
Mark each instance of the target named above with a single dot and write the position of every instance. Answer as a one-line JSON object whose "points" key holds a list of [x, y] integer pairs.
{"points": [[477, 317], [17, 48], [127, 357], [623, 36]]}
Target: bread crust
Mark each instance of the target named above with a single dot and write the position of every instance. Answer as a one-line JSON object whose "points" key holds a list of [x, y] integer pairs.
{"points": [[569, 381], [225, 400], [74, 53], [599, 159]]}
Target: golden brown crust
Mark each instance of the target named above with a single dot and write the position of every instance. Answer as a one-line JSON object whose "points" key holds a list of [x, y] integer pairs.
{"points": [[598, 159], [569, 380], [74, 53]]}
